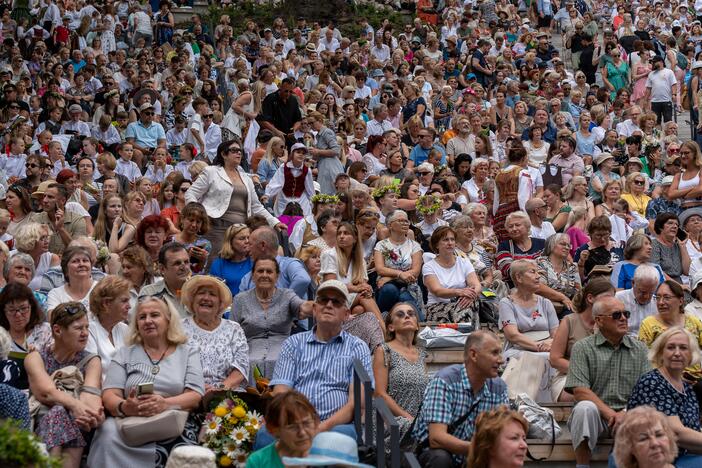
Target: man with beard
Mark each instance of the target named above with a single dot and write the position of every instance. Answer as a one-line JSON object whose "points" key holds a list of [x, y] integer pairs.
{"points": [[661, 88]]}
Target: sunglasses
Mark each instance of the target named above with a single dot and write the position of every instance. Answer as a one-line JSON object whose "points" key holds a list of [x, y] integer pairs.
{"points": [[236, 150], [639, 182], [673, 150], [207, 116], [618, 314], [74, 309], [336, 302], [31, 166], [148, 113]]}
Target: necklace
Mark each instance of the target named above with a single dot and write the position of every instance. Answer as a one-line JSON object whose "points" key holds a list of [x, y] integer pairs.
{"points": [[262, 300], [639, 202], [155, 369]]}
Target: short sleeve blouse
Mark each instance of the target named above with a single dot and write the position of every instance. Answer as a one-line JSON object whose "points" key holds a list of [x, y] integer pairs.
{"points": [[398, 257]]}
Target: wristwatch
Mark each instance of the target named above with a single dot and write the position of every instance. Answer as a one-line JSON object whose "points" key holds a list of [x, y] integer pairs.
{"points": [[120, 413]]}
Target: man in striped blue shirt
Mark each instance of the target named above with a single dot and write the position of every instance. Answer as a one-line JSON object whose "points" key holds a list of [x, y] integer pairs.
{"points": [[319, 363], [455, 397]]}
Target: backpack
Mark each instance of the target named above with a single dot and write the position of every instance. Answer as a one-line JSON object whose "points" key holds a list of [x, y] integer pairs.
{"points": [[682, 60]]}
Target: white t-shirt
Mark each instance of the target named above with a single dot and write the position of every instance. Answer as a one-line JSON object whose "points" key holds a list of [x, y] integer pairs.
{"points": [[453, 278], [544, 232], [661, 83], [330, 264]]}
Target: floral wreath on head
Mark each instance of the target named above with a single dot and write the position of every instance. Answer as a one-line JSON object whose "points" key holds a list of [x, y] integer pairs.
{"points": [[431, 209], [324, 199], [381, 191]]}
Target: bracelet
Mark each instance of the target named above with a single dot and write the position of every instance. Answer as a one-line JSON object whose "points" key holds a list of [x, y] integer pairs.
{"points": [[121, 413]]}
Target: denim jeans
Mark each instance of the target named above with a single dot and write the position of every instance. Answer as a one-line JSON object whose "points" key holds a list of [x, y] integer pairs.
{"points": [[390, 294], [264, 438]]}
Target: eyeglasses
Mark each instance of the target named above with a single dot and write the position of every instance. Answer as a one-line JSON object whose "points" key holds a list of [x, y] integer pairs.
{"points": [[234, 150], [673, 150], [148, 113], [25, 309], [618, 314], [663, 298], [401, 314], [336, 302], [207, 116], [306, 425]]}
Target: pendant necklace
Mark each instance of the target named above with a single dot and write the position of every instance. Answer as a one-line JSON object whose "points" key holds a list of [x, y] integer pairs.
{"points": [[155, 368]]}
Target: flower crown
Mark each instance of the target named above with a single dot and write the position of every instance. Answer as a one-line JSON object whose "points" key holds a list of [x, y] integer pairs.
{"points": [[431, 209], [324, 198], [381, 191]]}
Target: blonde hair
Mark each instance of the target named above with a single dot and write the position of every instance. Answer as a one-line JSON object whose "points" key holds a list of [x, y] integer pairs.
{"points": [[174, 333], [109, 288], [635, 420], [575, 215], [227, 252], [355, 260], [655, 354], [27, 236], [268, 155], [129, 198]]}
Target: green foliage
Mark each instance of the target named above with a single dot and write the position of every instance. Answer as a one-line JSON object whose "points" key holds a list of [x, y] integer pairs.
{"points": [[342, 12], [20, 448]]}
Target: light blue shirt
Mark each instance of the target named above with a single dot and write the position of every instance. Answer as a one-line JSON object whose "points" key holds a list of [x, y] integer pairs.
{"points": [[420, 155], [322, 371], [147, 137]]}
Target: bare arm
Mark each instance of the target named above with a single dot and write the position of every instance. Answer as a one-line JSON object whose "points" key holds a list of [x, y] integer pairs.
{"points": [[380, 372], [558, 347], [440, 438]]}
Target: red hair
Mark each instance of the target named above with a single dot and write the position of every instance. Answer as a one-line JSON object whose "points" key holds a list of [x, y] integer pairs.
{"points": [[150, 222]]}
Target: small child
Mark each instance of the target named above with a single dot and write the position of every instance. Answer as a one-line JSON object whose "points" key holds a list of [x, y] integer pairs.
{"points": [[13, 160], [159, 169], [146, 187], [122, 119], [187, 154], [176, 136], [6, 237], [125, 165]]}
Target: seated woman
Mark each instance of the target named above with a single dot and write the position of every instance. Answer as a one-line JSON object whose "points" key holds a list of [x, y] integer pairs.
{"points": [[398, 261], [327, 223], [76, 265], [499, 440], [573, 328], [667, 250], [64, 417], [293, 421], [645, 438], [670, 302], [109, 307], [194, 224], [24, 320], [266, 315], [137, 268], [529, 321], [398, 367], [224, 354], [451, 281], [599, 250], [519, 245], [33, 240], [636, 252], [346, 264], [559, 276], [158, 353], [234, 260], [151, 234]]}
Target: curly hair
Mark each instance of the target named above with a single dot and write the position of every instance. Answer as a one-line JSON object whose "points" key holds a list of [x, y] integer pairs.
{"points": [[637, 420], [150, 222]]}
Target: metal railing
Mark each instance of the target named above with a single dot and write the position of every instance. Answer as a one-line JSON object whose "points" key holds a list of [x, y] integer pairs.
{"points": [[362, 383], [383, 418], [411, 460]]}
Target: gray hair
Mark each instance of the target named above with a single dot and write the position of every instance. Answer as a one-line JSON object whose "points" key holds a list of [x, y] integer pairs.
{"points": [[461, 221], [518, 215], [266, 234], [391, 217], [519, 267], [5, 343], [18, 257], [471, 207], [552, 241], [476, 162], [602, 305], [646, 273]]}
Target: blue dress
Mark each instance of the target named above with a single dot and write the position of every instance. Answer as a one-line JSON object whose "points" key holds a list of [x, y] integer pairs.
{"points": [[653, 389]]}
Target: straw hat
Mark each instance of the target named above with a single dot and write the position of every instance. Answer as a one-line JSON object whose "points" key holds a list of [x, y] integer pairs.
{"points": [[191, 287]]}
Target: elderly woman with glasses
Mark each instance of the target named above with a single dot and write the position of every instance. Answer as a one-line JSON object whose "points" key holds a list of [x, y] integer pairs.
{"points": [[667, 250], [158, 353], [668, 388], [398, 261], [227, 193], [670, 302], [559, 276], [65, 416]]}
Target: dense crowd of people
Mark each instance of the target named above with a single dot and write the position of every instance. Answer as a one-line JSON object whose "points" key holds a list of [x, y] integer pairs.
{"points": [[197, 210]]}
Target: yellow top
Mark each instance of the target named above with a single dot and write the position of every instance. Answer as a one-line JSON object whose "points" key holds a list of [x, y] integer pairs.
{"points": [[651, 328]]}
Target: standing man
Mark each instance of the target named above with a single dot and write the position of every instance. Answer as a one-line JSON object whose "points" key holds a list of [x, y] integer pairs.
{"points": [[661, 89], [281, 111], [479, 65]]}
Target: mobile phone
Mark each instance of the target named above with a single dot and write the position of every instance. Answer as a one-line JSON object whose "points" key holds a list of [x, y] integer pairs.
{"points": [[145, 388]]}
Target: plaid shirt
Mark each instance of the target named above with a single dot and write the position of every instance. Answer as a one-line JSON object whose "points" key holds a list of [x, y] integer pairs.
{"points": [[609, 372], [449, 396]]}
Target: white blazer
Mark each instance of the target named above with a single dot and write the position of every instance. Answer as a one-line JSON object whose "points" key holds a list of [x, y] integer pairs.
{"points": [[213, 189]]}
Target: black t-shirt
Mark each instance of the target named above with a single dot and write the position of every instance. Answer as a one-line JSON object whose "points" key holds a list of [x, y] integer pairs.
{"points": [[283, 115], [586, 65]]}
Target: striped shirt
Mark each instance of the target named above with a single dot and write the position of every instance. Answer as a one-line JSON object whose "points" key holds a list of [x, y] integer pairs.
{"points": [[449, 397], [508, 251], [322, 371]]}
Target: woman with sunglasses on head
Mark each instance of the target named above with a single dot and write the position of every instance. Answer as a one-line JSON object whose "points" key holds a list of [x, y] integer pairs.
{"points": [[399, 367], [66, 416], [687, 185], [227, 193]]}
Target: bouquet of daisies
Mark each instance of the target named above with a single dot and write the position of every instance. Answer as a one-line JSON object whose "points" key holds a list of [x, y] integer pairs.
{"points": [[230, 430]]}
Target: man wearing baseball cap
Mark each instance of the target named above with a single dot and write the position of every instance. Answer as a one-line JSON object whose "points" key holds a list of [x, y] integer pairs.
{"points": [[662, 90], [319, 363]]}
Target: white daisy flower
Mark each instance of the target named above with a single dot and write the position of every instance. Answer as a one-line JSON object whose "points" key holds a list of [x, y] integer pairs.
{"points": [[212, 426], [239, 435]]}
